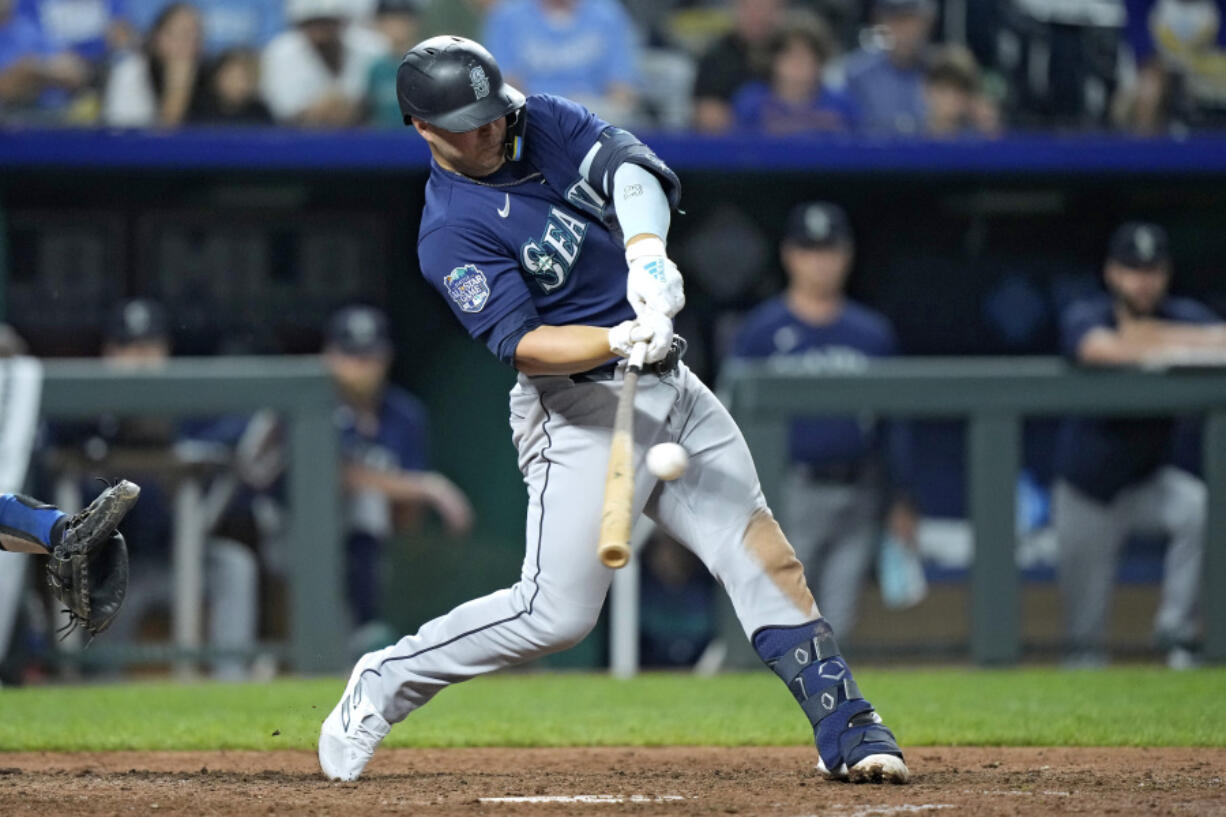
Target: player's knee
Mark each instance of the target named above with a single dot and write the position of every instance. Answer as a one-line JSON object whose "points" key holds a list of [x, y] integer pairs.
{"points": [[561, 625], [770, 548]]}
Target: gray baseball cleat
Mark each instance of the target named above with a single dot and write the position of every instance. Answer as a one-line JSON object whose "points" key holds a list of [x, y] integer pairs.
{"points": [[351, 733]]}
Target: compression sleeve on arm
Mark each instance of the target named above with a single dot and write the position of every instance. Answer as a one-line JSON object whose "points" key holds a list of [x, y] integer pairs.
{"points": [[640, 202], [504, 336]]}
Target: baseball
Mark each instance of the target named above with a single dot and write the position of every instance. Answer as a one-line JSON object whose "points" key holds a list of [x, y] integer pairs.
{"points": [[667, 460]]}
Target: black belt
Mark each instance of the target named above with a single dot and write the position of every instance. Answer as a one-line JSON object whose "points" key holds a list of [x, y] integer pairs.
{"points": [[661, 368]]}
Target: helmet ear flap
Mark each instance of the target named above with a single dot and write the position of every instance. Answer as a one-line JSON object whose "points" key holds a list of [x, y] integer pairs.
{"points": [[517, 123]]}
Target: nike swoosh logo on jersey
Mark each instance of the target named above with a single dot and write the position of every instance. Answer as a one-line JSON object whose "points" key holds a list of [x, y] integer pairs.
{"points": [[505, 210]]}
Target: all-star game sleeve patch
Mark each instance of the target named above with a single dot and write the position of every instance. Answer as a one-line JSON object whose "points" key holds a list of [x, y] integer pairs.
{"points": [[468, 287]]}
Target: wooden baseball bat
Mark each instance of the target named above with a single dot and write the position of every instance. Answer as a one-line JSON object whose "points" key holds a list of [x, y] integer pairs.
{"points": [[615, 521]]}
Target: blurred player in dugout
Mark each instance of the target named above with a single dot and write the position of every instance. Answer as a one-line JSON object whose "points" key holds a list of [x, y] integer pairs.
{"points": [[839, 485], [387, 483], [1122, 476]]}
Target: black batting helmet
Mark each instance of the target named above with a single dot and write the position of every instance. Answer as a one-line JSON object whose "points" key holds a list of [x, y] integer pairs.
{"points": [[454, 84]]}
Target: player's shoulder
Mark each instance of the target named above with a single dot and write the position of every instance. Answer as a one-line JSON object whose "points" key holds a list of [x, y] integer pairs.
{"points": [[766, 316], [451, 208], [1097, 308], [866, 319], [550, 107], [1188, 310]]}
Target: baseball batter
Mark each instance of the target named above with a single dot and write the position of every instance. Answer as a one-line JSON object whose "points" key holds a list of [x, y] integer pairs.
{"points": [[544, 227]]}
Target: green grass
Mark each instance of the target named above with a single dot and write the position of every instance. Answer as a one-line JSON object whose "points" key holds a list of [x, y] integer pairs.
{"points": [[1040, 707]]}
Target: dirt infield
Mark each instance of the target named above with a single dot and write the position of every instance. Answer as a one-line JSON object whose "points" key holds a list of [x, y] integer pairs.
{"points": [[658, 781]]}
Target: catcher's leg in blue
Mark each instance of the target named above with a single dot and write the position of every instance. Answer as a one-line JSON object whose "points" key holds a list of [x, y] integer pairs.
{"points": [[852, 743], [27, 525]]}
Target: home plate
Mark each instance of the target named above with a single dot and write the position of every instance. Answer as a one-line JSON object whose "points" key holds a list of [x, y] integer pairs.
{"points": [[586, 798]]}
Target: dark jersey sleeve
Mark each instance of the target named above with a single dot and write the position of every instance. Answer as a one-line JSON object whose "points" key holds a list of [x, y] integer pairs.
{"points": [[1186, 310], [1081, 318], [477, 277]]}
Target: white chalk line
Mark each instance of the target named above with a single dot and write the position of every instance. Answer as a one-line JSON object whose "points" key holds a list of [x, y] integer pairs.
{"points": [[588, 799], [882, 811], [1018, 793]]}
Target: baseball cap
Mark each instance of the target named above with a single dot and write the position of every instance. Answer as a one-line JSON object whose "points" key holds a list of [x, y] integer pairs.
{"points": [[817, 224], [137, 320], [905, 6], [1139, 245], [360, 331]]}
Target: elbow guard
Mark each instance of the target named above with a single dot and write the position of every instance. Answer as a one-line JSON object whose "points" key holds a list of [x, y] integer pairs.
{"points": [[616, 147]]}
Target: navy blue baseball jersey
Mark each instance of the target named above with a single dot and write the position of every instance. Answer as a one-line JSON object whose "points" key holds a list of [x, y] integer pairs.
{"points": [[399, 443], [858, 332], [528, 239], [1102, 457]]}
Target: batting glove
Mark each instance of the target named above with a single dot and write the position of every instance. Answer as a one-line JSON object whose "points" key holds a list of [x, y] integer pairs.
{"points": [[652, 328], [654, 282]]}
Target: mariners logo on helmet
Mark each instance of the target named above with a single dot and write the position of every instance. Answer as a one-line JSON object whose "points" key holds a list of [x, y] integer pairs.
{"points": [[480, 82]]}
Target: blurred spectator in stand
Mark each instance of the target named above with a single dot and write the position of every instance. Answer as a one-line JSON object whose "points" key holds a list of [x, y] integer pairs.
{"points": [[1122, 476], [316, 73], [886, 78], [742, 55], [464, 18], [227, 23], [399, 21], [796, 100], [383, 445], [1179, 47], [585, 50], [954, 98], [1058, 63], [162, 85], [37, 79], [836, 491], [232, 91], [92, 29]]}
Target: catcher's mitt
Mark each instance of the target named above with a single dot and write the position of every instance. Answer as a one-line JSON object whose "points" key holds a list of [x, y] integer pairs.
{"points": [[88, 568]]}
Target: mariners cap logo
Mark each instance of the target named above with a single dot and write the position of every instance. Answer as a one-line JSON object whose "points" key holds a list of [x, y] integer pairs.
{"points": [[1146, 244], [480, 82], [817, 222], [363, 328]]}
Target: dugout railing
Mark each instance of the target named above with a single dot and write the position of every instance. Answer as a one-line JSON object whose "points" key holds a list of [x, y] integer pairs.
{"points": [[300, 391], [994, 395]]}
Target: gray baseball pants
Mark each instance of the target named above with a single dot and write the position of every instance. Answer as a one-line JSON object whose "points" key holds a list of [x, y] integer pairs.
{"points": [[562, 430], [1089, 533]]}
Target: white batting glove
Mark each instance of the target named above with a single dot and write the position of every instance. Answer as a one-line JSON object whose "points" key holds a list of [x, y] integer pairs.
{"points": [[652, 328], [654, 282]]}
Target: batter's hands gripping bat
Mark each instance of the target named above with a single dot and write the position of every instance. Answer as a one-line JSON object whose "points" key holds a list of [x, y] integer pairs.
{"points": [[615, 521]]}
